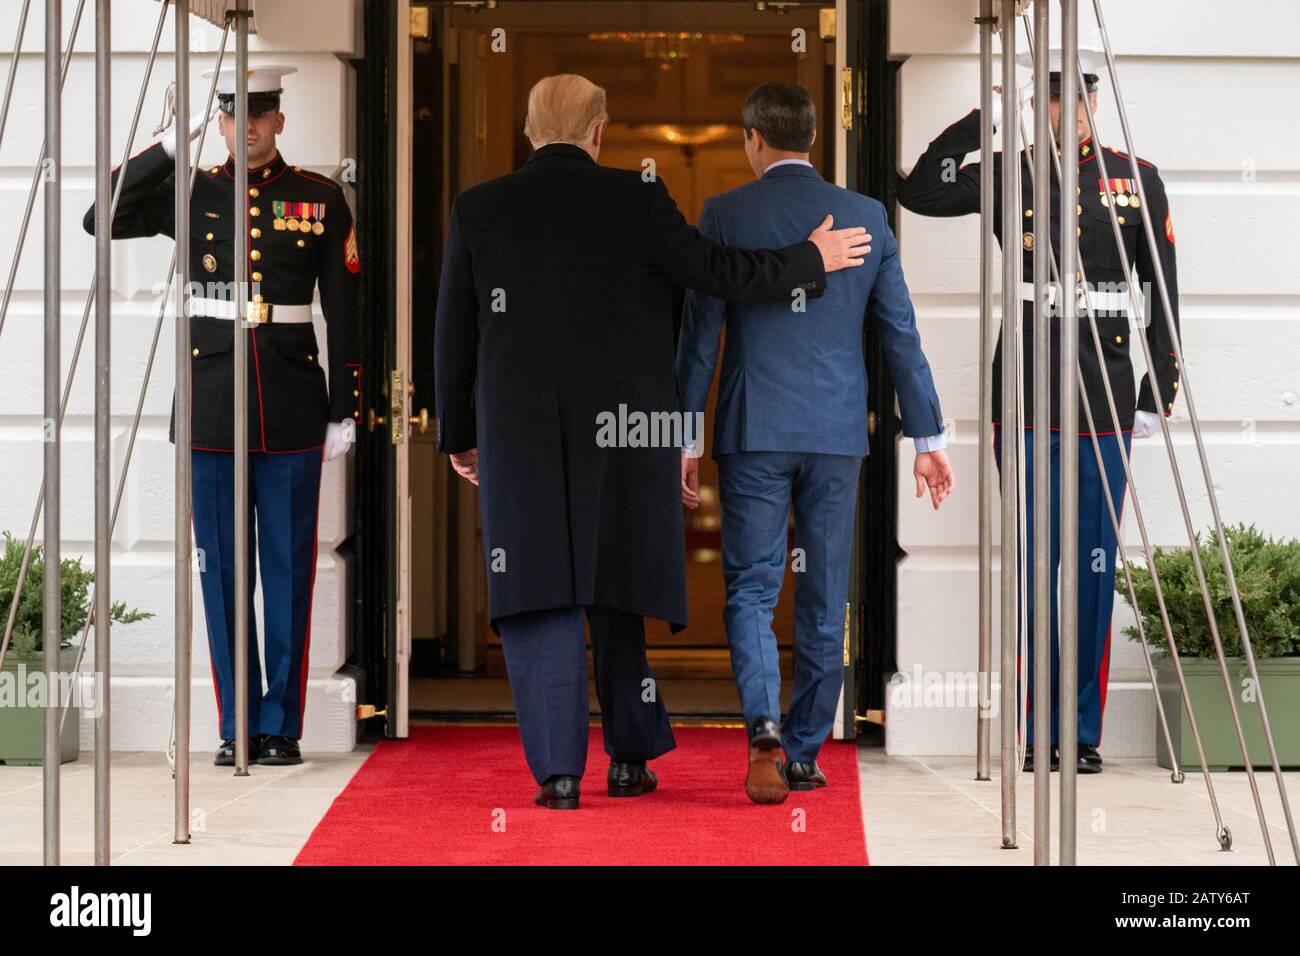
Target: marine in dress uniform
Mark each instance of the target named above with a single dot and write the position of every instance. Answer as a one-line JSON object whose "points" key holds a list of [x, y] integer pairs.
{"points": [[939, 186], [301, 237]]}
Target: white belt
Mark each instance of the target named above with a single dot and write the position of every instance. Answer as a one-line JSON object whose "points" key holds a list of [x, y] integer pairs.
{"points": [[258, 312], [1106, 302]]}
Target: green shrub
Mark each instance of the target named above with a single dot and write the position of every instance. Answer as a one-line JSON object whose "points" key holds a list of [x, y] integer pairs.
{"points": [[76, 581], [1268, 578]]}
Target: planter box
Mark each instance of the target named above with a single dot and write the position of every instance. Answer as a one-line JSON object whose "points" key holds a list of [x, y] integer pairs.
{"points": [[22, 728], [1280, 677]]}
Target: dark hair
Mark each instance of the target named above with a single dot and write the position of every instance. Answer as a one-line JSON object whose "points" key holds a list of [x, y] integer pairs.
{"points": [[783, 112]]}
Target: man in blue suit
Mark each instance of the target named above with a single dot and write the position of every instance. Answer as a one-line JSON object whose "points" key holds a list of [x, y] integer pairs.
{"points": [[791, 428]]}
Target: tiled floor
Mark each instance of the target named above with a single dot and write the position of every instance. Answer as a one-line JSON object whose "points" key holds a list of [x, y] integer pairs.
{"points": [[916, 811]]}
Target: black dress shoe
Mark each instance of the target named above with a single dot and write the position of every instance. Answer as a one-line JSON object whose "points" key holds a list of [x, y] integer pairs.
{"points": [[630, 779], [1029, 759], [558, 793], [765, 734], [1089, 759], [225, 756], [803, 776], [279, 751], [764, 782]]}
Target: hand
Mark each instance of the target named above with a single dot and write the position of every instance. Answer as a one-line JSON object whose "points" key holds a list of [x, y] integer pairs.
{"points": [[996, 111], [840, 248], [690, 481], [338, 439], [197, 122], [466, 465], [933, 471], [1145, 424]]}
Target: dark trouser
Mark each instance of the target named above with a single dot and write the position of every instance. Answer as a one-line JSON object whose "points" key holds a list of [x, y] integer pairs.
{"points": [[1096, 580], [283, 500], [546, 659]]}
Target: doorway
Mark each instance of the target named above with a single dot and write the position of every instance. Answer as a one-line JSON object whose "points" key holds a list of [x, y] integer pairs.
{"points": [[676, 75]]}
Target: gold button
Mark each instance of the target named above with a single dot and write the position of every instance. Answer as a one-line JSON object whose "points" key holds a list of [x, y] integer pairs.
{"points": [[254, 211], [1119, 339], [356, 373], [355, 392], [257, 277], [1175, 386], [301, 243], [252, 191], [308, 356], [1029, 214], [1079, 209], [255, 255], [255, 233], [266, 174], [1175, 365], [257, 298], [1121, 220], [209, 237], [1078, 230], [296, 169], [195, 352], [215, 170]]}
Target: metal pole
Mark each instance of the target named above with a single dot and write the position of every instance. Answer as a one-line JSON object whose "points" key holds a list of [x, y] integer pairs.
{"points": [[1069, 429], [1009, 451], [51, 634], [103, 424], [1042, 438], [241, 388], [984, 719], [37, 174], [1212, 494], [183, 556], [13, 66]]}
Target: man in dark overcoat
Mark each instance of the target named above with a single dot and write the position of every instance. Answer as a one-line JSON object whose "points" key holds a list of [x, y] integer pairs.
{"points": [[556, 394]]}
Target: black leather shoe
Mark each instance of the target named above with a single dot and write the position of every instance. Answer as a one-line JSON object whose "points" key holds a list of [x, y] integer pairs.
{"points": [[630, 779], [803, 776], [1029, 759], [765, 734], [279, 751], [225, 756], [1089, 759], [764, 782], [558, 793]]}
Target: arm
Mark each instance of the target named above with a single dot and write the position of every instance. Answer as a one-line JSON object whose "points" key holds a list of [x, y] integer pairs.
{"points": [[697, 262], [147, 204], [939, 185], [697, 349], [893, 321], [340, 288], [1157, 331], [455, 345]]}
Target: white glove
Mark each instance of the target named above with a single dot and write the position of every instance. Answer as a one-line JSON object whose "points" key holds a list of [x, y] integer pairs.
{"points": [[197, 122], [996, 111], [338, 438], [1145, 424]]}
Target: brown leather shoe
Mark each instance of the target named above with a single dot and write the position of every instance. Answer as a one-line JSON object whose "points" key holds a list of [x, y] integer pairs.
{"points": [[764, 782]]}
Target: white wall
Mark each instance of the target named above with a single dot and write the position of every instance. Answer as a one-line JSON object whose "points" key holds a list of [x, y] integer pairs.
{"points": [[1210, 94], [310, 35]]}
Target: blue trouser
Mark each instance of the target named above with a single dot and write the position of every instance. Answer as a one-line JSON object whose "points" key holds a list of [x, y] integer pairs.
{"points": [[756, 489], [283, 501], [546, 659], [1097, 548]]}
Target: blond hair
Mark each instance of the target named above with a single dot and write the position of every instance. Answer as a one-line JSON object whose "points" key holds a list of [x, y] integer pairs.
{"points": [[563, 107]]}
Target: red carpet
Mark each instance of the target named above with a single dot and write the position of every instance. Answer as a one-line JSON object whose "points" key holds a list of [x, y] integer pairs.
{"points": [[463, 795]]}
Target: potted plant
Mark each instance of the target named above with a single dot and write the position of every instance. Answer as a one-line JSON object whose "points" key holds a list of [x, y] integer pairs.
{"points": [[22, 718], [1267, 571]]}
